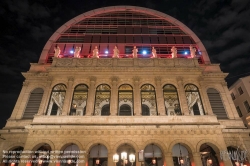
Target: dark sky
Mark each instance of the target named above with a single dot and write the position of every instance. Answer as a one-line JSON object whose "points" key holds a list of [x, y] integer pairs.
{"points": [[222, 25]]}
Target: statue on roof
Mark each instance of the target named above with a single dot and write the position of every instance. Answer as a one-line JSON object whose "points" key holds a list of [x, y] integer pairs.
{"points": [[134, 52], [95, 53], [154, 53], [115, 52], [174, 52], [77, 52], [57, 51], [192, 51]]}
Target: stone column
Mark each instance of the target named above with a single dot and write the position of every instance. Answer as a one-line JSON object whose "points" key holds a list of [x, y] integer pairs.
{"points": [[110, 159], [182, 96], [169, 159], [68, 97], [114, 96], [159, 97], [91, 97], [46, 96], [137, 97], [197, 159], [22, 100]]}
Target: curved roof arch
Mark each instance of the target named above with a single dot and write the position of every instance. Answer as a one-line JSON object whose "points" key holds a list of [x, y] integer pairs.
{"points": [[53, 39]]}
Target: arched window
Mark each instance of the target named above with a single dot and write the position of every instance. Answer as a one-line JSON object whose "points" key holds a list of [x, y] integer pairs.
{"points": [[33, 103], [102, 98], [194, 102], [56, 100], [105, 110], [145, 110], [79, 100], [125, 97], [216, 103], [171, 100], [148, 98], [125, 110]]}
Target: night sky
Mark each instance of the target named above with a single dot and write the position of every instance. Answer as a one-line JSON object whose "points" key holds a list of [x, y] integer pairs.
{"points": [[222, 25]]}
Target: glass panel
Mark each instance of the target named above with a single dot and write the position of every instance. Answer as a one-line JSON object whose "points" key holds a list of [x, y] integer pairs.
{"points": [[102, 98], [148, 98], [79, 100], [194, 102], [56, 100], [125, 100], [171, 100]]}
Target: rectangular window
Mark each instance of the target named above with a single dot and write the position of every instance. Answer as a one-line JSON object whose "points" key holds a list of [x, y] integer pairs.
{"points": [[247, 106], [240, 90], [239, 111], [232, 95]]}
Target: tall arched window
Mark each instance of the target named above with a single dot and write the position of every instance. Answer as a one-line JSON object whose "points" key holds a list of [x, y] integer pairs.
{"points": [[216, 103], [79, 100], [33, 103], [56, 100], [102, 98], [148, 98], [125, 100], [194, 102], [105, 110], [171, 100]]}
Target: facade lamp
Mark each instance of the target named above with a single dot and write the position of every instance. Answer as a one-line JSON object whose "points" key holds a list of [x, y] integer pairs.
{"points": [[124, 158], [181, 160], [40, 161], [12, 164], [70, 160], [98, 160], [153, 160], [115, 158]]}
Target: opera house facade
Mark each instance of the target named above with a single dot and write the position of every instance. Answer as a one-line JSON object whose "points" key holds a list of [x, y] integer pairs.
{"points": [[124, 85]]}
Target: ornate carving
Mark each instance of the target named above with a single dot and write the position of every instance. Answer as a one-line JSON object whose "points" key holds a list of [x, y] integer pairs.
{"points": [[64, 62], [146, 62], [104, 62], [224, 83], [157, 79], [125, 62], [92, 78], [179, 79], [71, 78], [84, 62], [200, 78], [186, 62], [114, 78], [136, 79], [166, 62]]}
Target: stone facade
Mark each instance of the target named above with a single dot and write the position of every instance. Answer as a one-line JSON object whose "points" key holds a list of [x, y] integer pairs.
{"points": [[112, 131]]}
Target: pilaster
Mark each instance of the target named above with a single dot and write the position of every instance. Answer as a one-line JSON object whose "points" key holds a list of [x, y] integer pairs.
{"points": [[197, 159], [68, 97], [114, 96], [159, 97], [182, 96], [169, 159], [137, 97], [45, 99], [91, 96]]}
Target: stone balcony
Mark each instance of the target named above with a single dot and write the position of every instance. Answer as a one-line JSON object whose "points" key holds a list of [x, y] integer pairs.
{"points": [[124, 62]]}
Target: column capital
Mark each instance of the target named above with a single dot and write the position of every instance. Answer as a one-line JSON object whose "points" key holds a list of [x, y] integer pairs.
{"points": [[196, 154], [114, 78], [224, 83], [168, 154], [25, 83], [157, 79], [136, 79], [92, 79], [179, 79], [71, 78]]}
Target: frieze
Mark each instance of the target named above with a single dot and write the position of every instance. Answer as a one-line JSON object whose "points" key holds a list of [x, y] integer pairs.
{"points": [[104, 62], [146, 62], [125, 62], [166, 62], [64, 62], [84, 62], [186, 62]]}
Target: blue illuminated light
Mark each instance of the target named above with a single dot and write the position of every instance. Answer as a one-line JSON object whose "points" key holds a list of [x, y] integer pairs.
{"points": [[144, 52], [185, 52], [71, 51], [106, 52]]}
